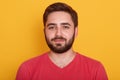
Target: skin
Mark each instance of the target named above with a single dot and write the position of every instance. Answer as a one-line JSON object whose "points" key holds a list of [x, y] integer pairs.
{"points": [[60, 24]]}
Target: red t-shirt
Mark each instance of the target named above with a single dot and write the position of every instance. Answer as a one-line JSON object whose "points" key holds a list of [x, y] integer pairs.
{"points": [[42, 68]]}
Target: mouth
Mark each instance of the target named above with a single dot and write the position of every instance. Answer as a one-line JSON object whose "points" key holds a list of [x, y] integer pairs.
{"points": [[59, 40]]}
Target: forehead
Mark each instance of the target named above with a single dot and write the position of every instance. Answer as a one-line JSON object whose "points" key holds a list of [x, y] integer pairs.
{"points": [[59, 17]]}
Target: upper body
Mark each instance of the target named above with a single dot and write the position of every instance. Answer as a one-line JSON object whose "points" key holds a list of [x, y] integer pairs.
{"points": [[62, 62], [80, 68]]}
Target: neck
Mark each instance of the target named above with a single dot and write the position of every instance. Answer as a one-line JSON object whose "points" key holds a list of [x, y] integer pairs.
{"points": [[63, 59]]}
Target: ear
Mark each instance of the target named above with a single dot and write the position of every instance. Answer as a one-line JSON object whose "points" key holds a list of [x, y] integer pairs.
{"points": [[76, 31]]}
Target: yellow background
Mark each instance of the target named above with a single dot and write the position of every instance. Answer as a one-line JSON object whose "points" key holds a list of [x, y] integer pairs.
{"points": [[21, 33]]}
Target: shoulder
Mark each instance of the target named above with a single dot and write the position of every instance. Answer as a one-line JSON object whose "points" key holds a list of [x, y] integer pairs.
{"points": [[28, 67], [34, 61], [88, 61], [92, 66]]}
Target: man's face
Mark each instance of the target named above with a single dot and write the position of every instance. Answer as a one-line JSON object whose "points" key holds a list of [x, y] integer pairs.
{"points": [[59, 31]]}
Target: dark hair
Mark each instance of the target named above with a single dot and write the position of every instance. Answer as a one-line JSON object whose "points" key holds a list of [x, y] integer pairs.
{"points": [[60, 7]]}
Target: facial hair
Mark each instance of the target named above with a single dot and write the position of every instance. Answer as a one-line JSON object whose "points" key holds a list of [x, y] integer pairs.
{"points": [[59, 48]]}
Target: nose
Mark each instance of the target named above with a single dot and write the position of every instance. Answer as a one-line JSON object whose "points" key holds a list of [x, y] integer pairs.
{"points": [[58, 32]]}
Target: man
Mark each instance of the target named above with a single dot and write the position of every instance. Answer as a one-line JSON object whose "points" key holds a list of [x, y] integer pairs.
{"points": [[61, 62]]}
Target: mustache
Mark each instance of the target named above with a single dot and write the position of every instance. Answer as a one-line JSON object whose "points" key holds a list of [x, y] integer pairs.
{"points": [[58, 38]]}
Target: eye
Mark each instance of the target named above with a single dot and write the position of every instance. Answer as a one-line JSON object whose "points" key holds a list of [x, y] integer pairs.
{"points": [[50, 27], [66, 27]]}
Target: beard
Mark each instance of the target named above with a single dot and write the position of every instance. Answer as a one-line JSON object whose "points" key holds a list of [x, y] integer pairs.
{"points": [[58, 47]]}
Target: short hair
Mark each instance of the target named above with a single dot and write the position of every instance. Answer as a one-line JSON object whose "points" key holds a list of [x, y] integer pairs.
{"points": [[59, 6]]}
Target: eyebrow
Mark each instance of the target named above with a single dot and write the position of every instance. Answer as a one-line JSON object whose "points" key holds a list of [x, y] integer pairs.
{"points": [[65, 24], [50, 24], [56, 24]]}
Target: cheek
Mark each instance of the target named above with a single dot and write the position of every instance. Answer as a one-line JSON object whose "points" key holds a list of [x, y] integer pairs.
{"points": [[49, 35], [69, 34]]}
